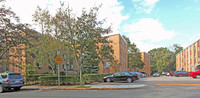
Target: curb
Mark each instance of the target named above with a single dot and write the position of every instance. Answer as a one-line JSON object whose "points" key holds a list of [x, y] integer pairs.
{"points": [[87, 89], [30, 88], [180, 84]]}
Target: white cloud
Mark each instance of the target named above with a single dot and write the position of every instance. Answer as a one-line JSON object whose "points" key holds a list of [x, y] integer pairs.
{"points": [[145, 47], [145, 5], [147, 29], [110, 10]]}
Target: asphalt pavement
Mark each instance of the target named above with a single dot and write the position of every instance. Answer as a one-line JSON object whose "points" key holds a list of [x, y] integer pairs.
{"points": [[93, 86], [155, 87]]}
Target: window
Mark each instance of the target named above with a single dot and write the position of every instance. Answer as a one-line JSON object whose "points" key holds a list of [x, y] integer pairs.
{"points": [[106, 64], [64, 66], [13, 51], [108, 39], [117, 74], [19, 62], [7, 67], [38, 65], [4, 75], [71, 65]]}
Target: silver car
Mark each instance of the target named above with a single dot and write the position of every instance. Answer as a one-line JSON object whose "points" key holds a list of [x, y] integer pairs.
{"points": [[10, 80], [156, 75]]}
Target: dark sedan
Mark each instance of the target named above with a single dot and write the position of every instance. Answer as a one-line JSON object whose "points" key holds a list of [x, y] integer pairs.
{"points": [[121, 76]]}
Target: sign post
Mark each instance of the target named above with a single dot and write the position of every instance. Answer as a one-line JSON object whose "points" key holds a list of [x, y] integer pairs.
{"points": [[58, 60]]}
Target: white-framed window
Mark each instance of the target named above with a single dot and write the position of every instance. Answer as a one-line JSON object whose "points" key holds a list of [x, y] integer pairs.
{"points": [[106, 64]]}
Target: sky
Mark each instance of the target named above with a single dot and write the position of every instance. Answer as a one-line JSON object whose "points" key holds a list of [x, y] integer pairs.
{"points": [[147, 23]]}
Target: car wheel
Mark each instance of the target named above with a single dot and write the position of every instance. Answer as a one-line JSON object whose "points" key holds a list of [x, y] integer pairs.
{"points": [[17, 88], [198, 76], [129, 80], [108, 80], [1, 88]]}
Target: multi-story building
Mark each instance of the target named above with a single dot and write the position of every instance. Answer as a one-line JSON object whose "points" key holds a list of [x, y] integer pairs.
{"points": [[118, 43], [120, 48], [189, 58], [14, 58], [17, 59], [146, 59]]}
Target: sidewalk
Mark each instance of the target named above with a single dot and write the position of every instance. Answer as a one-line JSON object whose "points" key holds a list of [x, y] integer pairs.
{"points": [[93, 86]]}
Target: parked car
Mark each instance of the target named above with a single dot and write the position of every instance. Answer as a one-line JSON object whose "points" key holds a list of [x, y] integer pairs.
{"points": [[165, 73], [195, 74], [121, 76], [156, 74], [139, 74], [171, 73], [181, 73], [11, 80], [144, 74]]}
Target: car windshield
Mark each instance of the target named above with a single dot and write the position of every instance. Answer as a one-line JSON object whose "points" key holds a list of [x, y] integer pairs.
{"points": [[4, 76], [15, 76]]}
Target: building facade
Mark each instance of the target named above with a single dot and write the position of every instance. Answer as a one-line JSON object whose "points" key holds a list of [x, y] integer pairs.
{"points": [[147, 61], [189, 58], [13, 60], [17, 59], [120, 48]]}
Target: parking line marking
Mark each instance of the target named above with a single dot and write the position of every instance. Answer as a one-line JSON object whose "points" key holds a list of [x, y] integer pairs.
{"points": [[181, 84]]}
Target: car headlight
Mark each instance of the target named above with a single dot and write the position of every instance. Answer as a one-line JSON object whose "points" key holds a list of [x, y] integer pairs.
{"points": [[105, 77]]}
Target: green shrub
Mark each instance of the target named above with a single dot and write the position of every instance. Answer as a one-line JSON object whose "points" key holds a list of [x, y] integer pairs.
{"points": [[70, 79], [62, 73]]}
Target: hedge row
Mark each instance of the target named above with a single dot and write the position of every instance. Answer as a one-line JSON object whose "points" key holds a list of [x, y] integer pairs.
{"points": [[33, 79], [71, 79]]}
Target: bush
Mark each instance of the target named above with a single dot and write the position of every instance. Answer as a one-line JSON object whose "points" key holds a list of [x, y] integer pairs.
{"points": [[62, 73], [33, 79], [70, 79]]}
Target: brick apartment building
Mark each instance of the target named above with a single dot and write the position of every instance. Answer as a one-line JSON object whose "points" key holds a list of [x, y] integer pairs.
{"points": [[14, 58], [147, 67], [17, 59], [68, 66], [189, 58], [120, 48]]}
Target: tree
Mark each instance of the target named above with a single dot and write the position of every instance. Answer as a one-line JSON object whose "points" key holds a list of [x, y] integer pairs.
{"points": [[161, 58], [12, 35], [134, 55], [176, 50], [81, 33]]}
